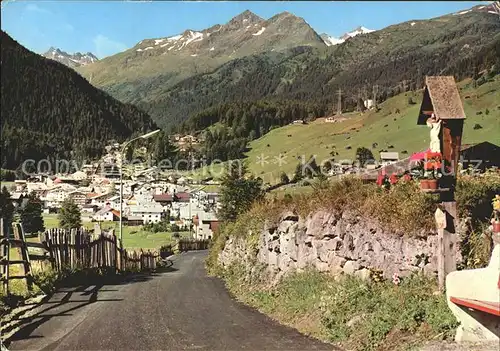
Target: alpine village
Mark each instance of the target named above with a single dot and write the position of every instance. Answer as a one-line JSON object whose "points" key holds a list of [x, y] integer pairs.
{"points": [[254, 185]]}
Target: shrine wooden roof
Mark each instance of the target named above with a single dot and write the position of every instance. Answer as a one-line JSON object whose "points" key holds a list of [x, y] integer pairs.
{"points": [[442, 98]]}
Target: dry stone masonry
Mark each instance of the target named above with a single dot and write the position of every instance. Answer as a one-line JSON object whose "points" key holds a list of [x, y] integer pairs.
{"points": [[335, 243]]}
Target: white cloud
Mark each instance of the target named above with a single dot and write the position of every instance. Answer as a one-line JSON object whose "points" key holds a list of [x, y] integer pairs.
{"points": [[36, 8], [105, 46]]}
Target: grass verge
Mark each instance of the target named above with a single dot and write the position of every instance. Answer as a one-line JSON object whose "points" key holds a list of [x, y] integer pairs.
{"points": [[348, 312]]}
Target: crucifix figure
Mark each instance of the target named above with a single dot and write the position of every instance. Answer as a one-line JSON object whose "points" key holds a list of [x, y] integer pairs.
{"points": [[435, 124]]}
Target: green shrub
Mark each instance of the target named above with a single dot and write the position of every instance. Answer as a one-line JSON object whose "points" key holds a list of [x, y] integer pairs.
{"points": [[474, 195], [475, 247], [47, 279]]}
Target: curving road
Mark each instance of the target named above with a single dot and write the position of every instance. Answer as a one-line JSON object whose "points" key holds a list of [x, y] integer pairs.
{"points": [[182, 309]]}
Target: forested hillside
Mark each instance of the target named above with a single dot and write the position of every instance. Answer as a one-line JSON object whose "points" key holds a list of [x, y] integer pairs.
{"points": [[384, 63], [241, 122], [51, 112]]}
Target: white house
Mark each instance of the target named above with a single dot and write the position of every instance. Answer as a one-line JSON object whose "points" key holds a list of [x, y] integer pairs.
{"points": [[54, 197], [101, 200], [149, 214], [35, 186], [88, 209], [205, 225], [369, 104], [106, 214]]}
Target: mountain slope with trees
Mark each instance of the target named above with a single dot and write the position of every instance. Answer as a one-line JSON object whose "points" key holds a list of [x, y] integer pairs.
{"points": [[145, 71], [382, 63], [286, 60], [51, 112]]}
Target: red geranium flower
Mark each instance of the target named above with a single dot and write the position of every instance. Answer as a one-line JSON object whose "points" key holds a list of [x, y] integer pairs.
{"points": [[380, 179], [393, 179]]}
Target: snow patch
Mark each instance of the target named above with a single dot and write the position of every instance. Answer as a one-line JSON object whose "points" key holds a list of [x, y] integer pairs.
{"points": [[493, 12], [170, 48], [464, 12], [139, 50], [194, 37], [245, 20], [412, 24], [149, 48], [163, 45], [212, 48], [158, 41], [183, 44], [175, 37], [481, 7], [260, 31], [360, 30], [329, 41], [194, 55]]}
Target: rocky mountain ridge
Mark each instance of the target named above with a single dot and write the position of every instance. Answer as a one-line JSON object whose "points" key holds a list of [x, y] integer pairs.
{"points": [[71, 60]]}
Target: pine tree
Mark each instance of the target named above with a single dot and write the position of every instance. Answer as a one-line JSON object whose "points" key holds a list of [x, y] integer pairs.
{"points": [[31, 215], [238, 192], [69, 215], [6, 208]]}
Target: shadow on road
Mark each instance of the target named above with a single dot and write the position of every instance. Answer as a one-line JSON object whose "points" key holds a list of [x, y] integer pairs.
{"points": [[72, 294]]}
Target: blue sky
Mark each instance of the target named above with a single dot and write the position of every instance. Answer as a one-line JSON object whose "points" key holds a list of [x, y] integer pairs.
{"points": [[108, 27]]}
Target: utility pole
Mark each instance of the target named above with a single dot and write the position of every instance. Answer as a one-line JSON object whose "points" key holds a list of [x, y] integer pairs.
{"points": [[375, 91], [360, 103], [339, 102]]}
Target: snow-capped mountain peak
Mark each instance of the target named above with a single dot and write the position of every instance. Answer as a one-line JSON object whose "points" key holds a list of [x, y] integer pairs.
{"points": [[72, 60], [329, 40]]}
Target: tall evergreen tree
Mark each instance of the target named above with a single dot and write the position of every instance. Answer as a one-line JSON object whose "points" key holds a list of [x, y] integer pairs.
{"points": [[6, 208], [31, 215], [239, 191], [69, 215], [164, 149]]}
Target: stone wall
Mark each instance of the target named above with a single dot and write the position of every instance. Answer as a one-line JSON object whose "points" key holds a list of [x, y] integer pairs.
{"points": [[335, 243]]}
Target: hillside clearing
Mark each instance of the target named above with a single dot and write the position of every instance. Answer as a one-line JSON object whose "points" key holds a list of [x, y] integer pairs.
{"points": [[391, 131]]}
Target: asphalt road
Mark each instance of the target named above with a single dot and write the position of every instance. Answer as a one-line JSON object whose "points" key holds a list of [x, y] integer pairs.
{"points": [[181, 309]]}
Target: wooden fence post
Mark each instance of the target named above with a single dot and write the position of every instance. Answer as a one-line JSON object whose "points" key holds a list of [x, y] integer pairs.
{"points": [[447, 241], [22, 249], [4, 237]]}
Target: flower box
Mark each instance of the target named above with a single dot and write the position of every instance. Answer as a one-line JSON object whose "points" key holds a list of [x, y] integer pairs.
{"points": [[428, 184]]}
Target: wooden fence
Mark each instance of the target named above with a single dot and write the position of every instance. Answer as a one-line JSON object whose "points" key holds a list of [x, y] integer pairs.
{"points": [[79, 249], [192, 244], [75, 249], [82, 249]]}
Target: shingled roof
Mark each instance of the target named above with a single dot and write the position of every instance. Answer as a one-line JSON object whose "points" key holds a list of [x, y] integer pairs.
{"points": [[441, 96]]}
